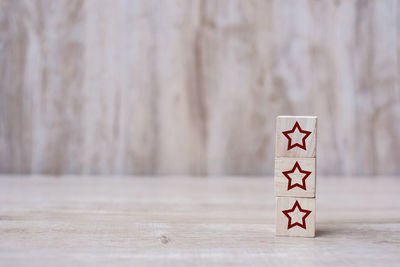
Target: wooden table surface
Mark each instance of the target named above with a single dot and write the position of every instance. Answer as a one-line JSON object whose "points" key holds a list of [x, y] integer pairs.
{"points": [[196, 221]]}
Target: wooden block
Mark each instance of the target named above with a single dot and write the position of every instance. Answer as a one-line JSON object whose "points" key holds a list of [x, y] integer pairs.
{"points": [[294, 177], [296, 136], [295, 216]]}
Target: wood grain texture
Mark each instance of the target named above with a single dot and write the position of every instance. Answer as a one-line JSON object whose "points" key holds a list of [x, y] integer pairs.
{"points": [[295, 186], [193, 87], [296, 136], [297, 209], [184, 221]]}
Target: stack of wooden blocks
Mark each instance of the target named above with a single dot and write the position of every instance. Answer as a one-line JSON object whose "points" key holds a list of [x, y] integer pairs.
{"points": [[294, 179]]}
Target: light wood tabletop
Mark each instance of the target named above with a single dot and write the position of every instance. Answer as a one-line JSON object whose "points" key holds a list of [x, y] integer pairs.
{"points": [[192, 221]]}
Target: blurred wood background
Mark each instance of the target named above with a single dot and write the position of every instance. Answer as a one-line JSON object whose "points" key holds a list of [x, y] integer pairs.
{"points": [[193, 87]]}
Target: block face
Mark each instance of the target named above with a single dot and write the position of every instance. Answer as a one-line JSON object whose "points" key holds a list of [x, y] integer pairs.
{"points": [[296, 136], [295, 216], [295, 177]]}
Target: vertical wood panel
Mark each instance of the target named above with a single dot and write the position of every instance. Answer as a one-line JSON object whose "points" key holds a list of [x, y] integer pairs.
{"points": [[193, 87]]}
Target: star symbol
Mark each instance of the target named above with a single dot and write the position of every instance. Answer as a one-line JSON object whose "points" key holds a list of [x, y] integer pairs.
{"points": [[303, 140], [296, 175], [296, 206]]}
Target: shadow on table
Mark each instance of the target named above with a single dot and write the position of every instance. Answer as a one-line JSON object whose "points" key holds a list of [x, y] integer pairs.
{"points": [[324, 232]]}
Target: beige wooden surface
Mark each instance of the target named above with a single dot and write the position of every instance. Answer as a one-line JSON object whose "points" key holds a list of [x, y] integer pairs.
{"points": [[296, 215], [296, 177], [187, 221], [193, 87], [299, 127]]}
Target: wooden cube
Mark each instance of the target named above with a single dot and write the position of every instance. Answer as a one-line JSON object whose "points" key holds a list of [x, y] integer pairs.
{"points": [[296, 136], [294, 177], [295, 216]]}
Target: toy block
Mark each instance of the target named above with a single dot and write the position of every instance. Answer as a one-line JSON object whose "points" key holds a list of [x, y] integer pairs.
{"points": [[294, 177], [296, 136], [295, 216]]}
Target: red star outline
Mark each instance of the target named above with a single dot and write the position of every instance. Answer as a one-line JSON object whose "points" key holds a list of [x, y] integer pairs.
{"points": [[303, 224], [306, 134], [303, 185]]}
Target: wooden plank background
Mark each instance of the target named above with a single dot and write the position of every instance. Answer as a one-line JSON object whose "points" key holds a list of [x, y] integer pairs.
{"points": [[193, 87]]}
